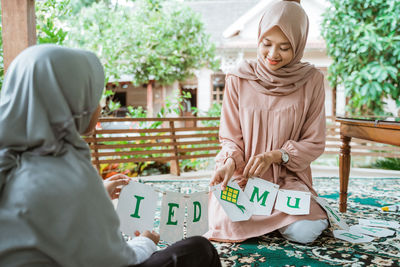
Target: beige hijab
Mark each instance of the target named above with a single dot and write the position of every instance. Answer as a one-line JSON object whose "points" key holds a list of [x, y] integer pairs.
{"points": [[291, 18]]}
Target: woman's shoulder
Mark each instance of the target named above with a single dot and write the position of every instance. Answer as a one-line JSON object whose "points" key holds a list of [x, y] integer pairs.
{"points": [[315, 81], [317, 76], [232, 82], [230, 78]]}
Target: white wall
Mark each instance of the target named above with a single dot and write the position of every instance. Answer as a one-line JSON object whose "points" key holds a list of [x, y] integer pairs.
{"points": [[204, 89]]}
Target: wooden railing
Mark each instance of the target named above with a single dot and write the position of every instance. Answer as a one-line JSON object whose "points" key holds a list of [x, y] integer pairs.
{"points": [[124, 140]]}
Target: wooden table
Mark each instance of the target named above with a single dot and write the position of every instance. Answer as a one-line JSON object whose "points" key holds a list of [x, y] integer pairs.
{"points": [[381, 131]]}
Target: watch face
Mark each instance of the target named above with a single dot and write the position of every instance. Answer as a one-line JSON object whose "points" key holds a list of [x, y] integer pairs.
{"points": [[285, 157]]}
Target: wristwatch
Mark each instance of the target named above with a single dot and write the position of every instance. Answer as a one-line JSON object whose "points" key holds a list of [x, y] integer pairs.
{"points": [[285, 156]]}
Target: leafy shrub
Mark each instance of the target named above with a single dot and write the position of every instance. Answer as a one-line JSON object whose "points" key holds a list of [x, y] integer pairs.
{"points": [[387, 163], [157, 40], [363, 40]]}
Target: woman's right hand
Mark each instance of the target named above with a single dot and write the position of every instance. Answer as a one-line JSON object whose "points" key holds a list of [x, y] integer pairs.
{"points": [[223, 174]]}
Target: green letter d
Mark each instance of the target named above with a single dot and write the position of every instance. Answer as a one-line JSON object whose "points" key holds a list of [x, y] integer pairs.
{"points": [[196, 206]]}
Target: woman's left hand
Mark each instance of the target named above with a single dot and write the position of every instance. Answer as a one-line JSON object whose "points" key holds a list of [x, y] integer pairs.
{"points": [[260, 163], [113, 184]]}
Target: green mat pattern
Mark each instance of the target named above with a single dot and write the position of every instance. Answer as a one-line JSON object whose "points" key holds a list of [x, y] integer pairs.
{"points": [[365, 199]]}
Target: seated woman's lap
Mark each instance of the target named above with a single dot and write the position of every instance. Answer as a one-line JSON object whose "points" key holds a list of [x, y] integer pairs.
{"points": [[193, 251]]}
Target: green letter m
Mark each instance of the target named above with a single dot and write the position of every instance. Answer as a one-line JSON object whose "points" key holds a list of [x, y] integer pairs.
{"points": [[263, 197]]}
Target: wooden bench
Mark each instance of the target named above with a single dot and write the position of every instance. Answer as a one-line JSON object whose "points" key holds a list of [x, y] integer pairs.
{"points": [[127, 140], [134, 140]]}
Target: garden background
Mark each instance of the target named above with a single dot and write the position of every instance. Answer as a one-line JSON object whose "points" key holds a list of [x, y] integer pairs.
{"points": [[163, 44]]}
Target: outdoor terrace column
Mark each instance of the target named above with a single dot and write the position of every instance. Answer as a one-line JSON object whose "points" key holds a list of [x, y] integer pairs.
{"points": [[19, 27]]}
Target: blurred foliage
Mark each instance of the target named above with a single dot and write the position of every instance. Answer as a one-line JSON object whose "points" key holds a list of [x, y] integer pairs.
{"points": [[387, 163], [157, 40], [50, 17], [363, 40], [173, 104], [77, 5]]}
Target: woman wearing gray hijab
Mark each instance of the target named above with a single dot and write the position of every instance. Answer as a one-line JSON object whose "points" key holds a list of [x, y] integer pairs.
{"points": [[54, 209]]}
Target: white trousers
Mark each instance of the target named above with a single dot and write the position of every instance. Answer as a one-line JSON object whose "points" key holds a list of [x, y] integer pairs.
{"points": [[304, 231]]}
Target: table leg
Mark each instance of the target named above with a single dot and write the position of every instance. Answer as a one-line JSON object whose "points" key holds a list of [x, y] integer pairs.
{"points": [[344, 171]]}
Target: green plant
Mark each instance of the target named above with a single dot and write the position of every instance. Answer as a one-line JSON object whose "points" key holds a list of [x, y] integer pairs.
{"points": [[173, 105], [160, 40], [363, 40], [387, 163], [138, 112], [50, 17]]}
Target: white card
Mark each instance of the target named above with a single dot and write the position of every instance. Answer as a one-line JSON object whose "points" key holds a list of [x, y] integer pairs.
{"points": [[172, 217], [293, 202], [262, 194], [352, 237], [379, 223], [197, 209], [234, 201], [333, 215], [373, 231], [137, 208]]}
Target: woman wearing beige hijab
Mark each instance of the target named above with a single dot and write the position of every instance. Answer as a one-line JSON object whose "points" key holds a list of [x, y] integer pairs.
{"points": [[54, 209], [272, 127]]}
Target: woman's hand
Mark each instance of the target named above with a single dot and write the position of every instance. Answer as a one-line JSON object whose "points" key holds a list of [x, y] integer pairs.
{"points": [[154, 236], [260, 163], [113, 184], [224, 173]]}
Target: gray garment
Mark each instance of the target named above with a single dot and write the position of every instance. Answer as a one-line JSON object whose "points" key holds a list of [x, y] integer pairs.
{"points": [[54, 209]]}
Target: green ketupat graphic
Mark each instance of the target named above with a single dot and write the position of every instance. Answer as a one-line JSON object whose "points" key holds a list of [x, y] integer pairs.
{"points": [[231, 195]]}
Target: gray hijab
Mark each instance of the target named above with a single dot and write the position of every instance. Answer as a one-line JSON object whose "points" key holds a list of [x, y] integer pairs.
{"points": [[47, 100], [54, 209]]}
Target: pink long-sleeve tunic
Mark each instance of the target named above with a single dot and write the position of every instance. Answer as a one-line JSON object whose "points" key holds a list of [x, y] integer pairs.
{"points": [[252, 123]]}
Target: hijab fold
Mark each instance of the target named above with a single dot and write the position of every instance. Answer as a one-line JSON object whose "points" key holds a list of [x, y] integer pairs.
{"points": [[291, 18]]}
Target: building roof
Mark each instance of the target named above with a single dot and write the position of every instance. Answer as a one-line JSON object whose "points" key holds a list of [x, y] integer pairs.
{"points": [[233, 24], [217, 15]]}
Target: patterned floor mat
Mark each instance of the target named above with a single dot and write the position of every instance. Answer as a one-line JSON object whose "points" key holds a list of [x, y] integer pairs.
{"points": [[366, 196]]}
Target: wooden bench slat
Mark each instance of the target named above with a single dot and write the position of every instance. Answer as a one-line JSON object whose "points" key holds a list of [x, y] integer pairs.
{"points": [[160, 130], [207, 148], [198, 156], [160, 119], [158, 144], [152, 137], [111, 161], [156, 151], [132, 153]]}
